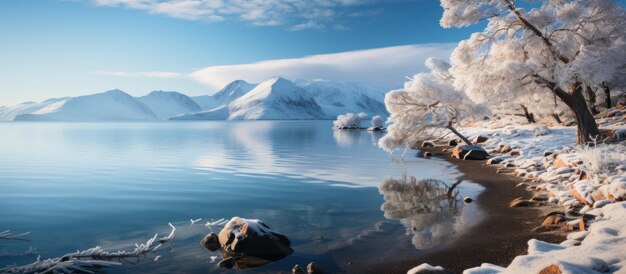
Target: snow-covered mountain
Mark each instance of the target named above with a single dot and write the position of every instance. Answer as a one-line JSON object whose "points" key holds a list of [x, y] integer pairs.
{"points": [[113, 105], [279, 98], [276, 98], [8, 113], [337, 98], [166, 104], [229, 93]]}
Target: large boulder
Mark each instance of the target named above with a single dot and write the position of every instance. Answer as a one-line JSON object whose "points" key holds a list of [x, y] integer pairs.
{"points": [[467, 152], [211, 242], [247, 237]]}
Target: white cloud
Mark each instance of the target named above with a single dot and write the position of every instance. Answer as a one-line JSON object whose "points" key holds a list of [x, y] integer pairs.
{"points": [[140, 74], [297, 14], [385, 67]]}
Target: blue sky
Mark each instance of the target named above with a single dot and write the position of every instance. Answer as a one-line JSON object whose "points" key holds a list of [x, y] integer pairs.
{"points": [[53, 48]]}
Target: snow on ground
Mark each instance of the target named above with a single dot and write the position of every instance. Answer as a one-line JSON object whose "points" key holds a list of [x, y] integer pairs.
{"points": [[589, 182], [581, 179]]}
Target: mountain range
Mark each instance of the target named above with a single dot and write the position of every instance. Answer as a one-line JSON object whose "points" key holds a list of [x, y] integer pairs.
{"points": [[273, 99]]}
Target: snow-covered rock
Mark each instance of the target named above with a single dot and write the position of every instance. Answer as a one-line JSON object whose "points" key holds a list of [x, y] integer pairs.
{"points": [[166, 104], [249, 237], [113, 105]]}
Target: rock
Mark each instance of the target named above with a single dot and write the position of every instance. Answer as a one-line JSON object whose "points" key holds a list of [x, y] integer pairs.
{"points": [[467, 200], [496, 160], [601, 203], [505, 149], [313, 268], [553, 220], [245, 237], [548, 153], [211, 242], [579, 197], [480, 139], [375, 128], [427, 154], [538, 197], [515, 153], [598, 195], [297, 270], [453, 143], [582, 225], [509, 165], [559, 163], [467, 152], [428, 144], [552, 269], [520, 202]]}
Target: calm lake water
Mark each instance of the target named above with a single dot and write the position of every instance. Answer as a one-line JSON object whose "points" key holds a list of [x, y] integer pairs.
{"points": [[79, 185]]}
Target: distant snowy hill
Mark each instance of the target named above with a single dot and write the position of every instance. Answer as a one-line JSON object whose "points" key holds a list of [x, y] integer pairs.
{"points": [[274, 99], [229, 93], [8, 113], [337, 98], [113, 105], [166, 104]]}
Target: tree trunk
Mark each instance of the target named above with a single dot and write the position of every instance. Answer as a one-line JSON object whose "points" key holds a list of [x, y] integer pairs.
{"points": [[529, 115], [591, 97], [607, 96], [451, 128], [587, 129], [557, 118]]}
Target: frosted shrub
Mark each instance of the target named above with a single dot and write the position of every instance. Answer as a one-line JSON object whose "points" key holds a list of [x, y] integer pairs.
{"points": [[602, 159], [349, 120], [377, 122]]}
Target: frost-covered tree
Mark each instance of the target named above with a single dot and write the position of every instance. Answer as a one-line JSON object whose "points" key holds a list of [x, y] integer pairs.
{"points": [[377, 122], [349, 120], [426, 107], [554, 50]]}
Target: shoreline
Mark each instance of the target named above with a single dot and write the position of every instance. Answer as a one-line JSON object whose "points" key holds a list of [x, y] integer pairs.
{"points": [[497, 239]]}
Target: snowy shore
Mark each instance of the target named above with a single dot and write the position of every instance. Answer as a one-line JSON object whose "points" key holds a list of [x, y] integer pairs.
{"points": [[588, 183]]}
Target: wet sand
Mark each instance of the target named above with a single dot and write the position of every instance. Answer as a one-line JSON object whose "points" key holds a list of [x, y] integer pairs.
{"points": [[501, 236]]}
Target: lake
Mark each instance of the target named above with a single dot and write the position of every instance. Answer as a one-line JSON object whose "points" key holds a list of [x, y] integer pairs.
{"points": [[80, 185]]}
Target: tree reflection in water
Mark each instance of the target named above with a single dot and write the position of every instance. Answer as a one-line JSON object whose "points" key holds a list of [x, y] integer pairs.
{"points": [[427, 208]]}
